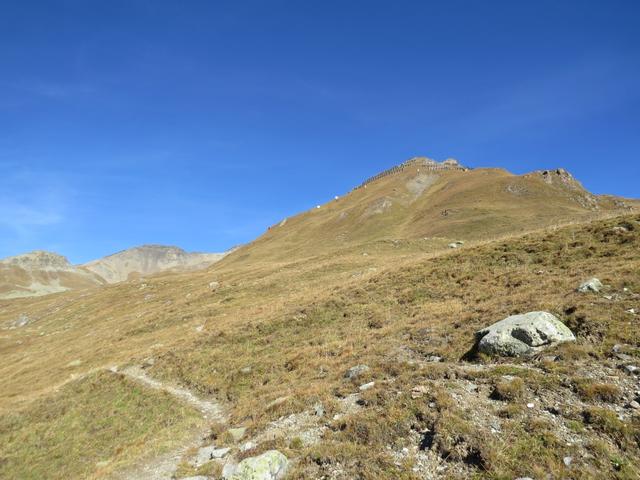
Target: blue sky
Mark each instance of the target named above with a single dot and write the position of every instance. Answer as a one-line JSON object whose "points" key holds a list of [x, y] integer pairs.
{"points": [[200, 123]]}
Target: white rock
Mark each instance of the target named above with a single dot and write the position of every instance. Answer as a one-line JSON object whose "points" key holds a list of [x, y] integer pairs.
{"points": [[271, 465], [357, 371], [367, 386], [591, 285], [247, 446], [523, 334]]}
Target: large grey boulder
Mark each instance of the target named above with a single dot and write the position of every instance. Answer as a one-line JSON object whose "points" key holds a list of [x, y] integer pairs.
{"points": [[271, 465], [523, 334], [591, 285]]}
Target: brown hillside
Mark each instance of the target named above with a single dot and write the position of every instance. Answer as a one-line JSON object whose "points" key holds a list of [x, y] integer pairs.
{"points": [[420, 201]]}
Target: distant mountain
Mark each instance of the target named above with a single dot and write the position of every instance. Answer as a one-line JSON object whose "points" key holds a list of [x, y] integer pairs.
{"points": [[146, 260], [41, 273]]}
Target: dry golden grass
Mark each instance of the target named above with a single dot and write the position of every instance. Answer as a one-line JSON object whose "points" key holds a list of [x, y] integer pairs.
{"points": [[300, 324]]}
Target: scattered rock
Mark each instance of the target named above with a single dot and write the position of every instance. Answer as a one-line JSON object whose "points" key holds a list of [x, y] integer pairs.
{"points": [[591, 285], [419, 391], [624, 357], [367, 386], [237, 433], [271, 465], [22, 321], [148, 362], [206, 454], [247, 446], [632, 369], [523, 334], [356, 372]]}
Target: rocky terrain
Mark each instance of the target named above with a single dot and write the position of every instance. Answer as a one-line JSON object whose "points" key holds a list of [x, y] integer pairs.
{"points": [[42, 273], [435, 324], [147, 260]]}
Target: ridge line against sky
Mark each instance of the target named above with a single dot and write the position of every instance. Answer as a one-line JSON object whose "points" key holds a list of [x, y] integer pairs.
{"points": [[125, 123]]}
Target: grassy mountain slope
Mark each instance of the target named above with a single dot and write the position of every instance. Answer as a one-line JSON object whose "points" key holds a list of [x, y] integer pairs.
{"points": [[415, 203], [293, 311]]}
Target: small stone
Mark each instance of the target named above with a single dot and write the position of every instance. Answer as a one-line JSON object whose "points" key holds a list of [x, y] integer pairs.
{"points": [[74, 363], [635, 405], [432, 405], [318, 408], [367, 386], [357, 371], [434, 358], [624, 357], [21, 321], [237, 433], [245, 370], [567, 461], [419, 391], [247, 446], [631, 369], [632, 311], [206, 454], [213, 286], [530, 405], [608, 297], [591, 285]]}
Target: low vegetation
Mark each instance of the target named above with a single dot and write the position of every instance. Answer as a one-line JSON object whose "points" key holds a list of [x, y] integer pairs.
{"points": [[90, 428], [276, 339]]}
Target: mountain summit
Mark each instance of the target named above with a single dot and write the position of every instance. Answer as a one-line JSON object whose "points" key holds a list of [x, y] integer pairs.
{"points": [[424, 199]]}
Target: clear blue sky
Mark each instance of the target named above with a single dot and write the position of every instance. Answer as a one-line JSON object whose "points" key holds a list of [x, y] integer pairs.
{"points": [[200, 123]]}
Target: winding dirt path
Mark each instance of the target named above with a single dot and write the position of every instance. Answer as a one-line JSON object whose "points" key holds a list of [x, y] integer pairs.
{"points": [[164, 466]]}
